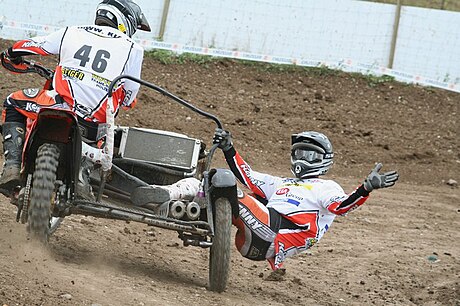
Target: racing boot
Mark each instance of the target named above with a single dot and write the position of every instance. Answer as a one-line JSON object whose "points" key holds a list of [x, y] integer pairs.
{"points": [[84, 190], [185, 189], [13, 142]]}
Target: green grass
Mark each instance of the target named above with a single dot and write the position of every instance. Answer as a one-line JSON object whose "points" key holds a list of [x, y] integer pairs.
{"points": [[373, 80], [169, 58]]}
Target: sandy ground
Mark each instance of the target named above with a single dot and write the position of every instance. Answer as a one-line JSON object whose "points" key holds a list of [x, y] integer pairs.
{"points": [[401, 248]]}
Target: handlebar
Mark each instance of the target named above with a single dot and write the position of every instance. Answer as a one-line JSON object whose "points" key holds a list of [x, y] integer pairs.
{"points": [[38, 68], [26, 66], [166, 93]]}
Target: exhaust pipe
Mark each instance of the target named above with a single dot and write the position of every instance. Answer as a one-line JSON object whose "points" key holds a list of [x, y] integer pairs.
{"points": [[193, 210], [177, 210]]}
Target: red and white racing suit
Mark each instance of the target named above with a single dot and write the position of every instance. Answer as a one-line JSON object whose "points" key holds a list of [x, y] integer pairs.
{"points": [[90, 57], [285, 216]]}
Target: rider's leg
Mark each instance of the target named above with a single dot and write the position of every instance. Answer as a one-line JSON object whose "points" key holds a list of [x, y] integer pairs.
{"points": [[18, 106], [13, 130], [257, 229], [185, 189]]}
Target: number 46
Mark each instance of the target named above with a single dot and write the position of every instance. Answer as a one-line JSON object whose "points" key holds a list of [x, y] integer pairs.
{"points": [[99, 63]]}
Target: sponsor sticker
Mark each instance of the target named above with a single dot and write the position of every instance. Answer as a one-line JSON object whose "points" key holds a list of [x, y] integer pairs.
{"points": [[32, 107], [294, 196], [73, 74], [247, 171], [337, 199], [280, 255], [31, 92], [31, 44], [292, 201], [282, 191]]}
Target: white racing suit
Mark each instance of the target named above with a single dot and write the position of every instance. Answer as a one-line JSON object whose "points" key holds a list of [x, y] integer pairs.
{"points": [[90, 57], [285, 216]]}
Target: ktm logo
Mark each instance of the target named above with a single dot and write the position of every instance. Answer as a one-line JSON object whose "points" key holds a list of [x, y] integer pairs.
{"points": [[30, 44], [282, 191]]}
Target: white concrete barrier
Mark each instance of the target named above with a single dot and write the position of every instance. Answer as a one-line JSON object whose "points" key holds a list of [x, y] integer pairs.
{"points": [[344, 34]]}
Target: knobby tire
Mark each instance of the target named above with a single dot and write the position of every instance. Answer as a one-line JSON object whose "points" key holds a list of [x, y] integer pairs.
{"points": [[42, 192], [219, 259]]}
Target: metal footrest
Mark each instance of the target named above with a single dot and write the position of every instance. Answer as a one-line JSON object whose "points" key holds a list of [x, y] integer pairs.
{"points": [[138, 214]]}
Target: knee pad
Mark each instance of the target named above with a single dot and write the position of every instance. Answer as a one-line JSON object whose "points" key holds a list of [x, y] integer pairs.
{"points": [[11, 114]]}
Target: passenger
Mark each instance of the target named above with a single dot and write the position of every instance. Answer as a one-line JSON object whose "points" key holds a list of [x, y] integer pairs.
{"points": [[284, 216]]}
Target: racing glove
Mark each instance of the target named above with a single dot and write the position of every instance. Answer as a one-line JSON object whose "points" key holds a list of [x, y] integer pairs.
{"points": [[13, 64], [375, 180], [223, 139], [15, 60]]}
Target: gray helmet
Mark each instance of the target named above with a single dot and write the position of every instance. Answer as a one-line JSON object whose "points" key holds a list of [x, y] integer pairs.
{"points": [[311, 154], [124, 15]]}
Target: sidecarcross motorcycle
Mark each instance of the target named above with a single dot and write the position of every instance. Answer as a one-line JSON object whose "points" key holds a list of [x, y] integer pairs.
{"points": [[132, 157]]}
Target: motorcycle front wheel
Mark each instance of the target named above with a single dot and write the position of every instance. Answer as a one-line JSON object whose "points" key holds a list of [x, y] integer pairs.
{"points": [[42, 192], [219, 258]]}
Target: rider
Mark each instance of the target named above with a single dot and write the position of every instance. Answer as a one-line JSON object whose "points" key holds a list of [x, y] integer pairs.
{"points": [[283, 216], [90, 56]]}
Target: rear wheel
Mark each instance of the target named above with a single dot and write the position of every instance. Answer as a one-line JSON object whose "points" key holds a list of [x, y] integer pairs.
{"points": [[43, 192], [219, 259]]}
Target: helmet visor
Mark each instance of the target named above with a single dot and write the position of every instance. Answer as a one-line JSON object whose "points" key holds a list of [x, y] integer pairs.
{"points": [[308, 152], [308, 155], [142, 23]]}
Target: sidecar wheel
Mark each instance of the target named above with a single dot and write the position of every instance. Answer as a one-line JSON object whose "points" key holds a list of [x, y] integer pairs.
{"points": [[219, 259], [42, 192]]}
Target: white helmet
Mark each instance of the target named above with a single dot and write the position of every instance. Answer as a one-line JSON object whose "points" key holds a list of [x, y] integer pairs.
{"points": [[124, 15], [311, 154]]}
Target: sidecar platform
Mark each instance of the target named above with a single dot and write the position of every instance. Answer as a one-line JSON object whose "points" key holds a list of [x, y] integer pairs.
{"points": [[138, 214]]}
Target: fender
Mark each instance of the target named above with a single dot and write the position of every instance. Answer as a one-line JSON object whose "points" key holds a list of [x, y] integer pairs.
{"points": [[58, 126], [222, 178], [223, 184]]}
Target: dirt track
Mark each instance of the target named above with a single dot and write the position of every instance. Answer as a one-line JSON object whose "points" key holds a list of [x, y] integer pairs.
{"points": [[401, 248]]}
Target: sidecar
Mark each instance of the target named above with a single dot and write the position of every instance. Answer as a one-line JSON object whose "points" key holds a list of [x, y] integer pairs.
{"points": [[142, 157], [147, 156]]}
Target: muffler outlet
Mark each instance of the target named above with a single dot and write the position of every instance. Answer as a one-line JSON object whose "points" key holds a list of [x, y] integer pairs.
{"points": [[193, 210], [177, 210]]}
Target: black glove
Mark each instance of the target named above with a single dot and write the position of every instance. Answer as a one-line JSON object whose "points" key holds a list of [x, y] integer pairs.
{"points": [[223, 138], [15, 60], [375, 180]]}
